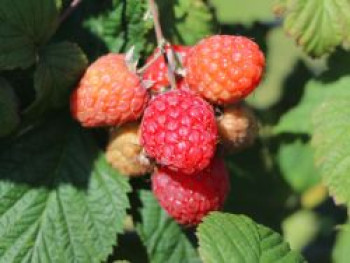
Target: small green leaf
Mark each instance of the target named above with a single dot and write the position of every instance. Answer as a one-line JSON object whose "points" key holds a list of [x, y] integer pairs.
{"points": [[59, 199], [298, 119], [162, 236], [331, 140], [9, 117], [236, 238], [60, 67], [341, 252], [297, 165], [301, 228], [122, 26], [25, 26], [317, 25], [186, 21]]}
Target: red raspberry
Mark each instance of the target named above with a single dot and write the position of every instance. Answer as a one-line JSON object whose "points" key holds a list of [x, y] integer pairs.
{"points": [[224, 69], [157, 72], [108, 94], [189, 198], [179, 131]]}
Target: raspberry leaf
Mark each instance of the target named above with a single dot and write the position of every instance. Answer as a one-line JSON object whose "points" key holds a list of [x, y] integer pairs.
{"points": [[341, 252], [60, 67], [186, 21], [60, 201], [9, 117], [317, 25], [331, 140], [122, 26], [24, 27], [301, 228], [236, 238], [298, 119], [300, 177], [162, 236]]}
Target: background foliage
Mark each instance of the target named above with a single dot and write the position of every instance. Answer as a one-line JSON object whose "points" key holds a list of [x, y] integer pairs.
{"points": [[61, 202]]}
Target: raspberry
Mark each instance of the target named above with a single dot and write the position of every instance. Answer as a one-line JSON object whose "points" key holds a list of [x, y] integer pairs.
{"points": [[108, 94], [238, 128], [157, 72], [224, 69], [179, 131], [189, 198], [124, 151]]}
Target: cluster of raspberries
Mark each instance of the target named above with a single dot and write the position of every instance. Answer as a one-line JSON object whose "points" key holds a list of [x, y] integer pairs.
{"points": [[180, 129]]}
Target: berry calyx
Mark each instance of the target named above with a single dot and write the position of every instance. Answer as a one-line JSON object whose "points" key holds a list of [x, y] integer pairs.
{"points": [[224, 69], [125, 153], [238, 128], [179, 131], [108, 94], [157, 72], [189, 198]]}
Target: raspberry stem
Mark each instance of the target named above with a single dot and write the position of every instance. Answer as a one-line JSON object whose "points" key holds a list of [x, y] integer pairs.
{"points": [[168, 52], [154, 59], [157, 26], [73, 5]]}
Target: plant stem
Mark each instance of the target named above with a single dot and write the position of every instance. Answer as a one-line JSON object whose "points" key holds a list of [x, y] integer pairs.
{"points": [[149, 63], [73, 5], [157, 26], [168, 53]]}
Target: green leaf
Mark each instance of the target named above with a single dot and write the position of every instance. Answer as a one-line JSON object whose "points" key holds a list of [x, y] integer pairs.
{"points": [[162, 236], [331, 140], [317, 25], [25, 26], [9, 118], [243, 12], [122, 26], [59, 199], [341, 252], [60, 67], [236, 238], [186, 21], [301, 228], [298, 119], [297, 165]]}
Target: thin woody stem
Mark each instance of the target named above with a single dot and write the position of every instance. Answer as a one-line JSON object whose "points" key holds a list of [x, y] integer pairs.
{"points": [[73, 5], [149, 63], [168, 53], [157, 26]]}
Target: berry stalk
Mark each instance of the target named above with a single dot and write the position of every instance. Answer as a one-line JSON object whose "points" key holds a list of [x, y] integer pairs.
{"points": [[148, 64], [168, 53]]}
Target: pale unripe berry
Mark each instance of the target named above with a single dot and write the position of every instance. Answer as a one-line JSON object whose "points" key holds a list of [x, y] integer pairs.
{"points": [[238, 127], [125, 153]]}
